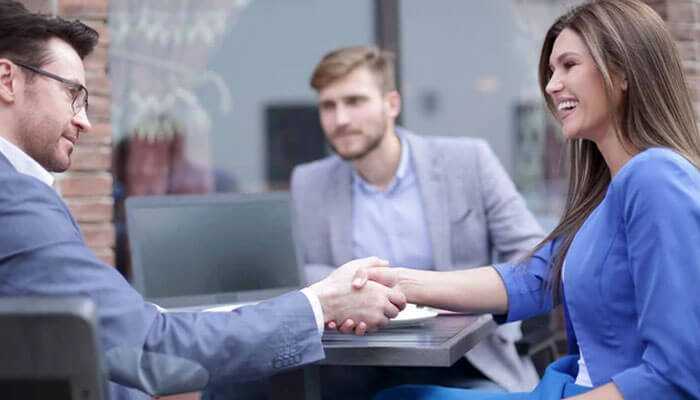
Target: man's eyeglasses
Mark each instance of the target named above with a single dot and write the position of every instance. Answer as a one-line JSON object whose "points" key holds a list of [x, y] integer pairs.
{"points": [[78, 91]]}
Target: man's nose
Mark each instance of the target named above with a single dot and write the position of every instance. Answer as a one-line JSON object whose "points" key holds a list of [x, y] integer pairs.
{"points": [[82, 121], [341, 116]]}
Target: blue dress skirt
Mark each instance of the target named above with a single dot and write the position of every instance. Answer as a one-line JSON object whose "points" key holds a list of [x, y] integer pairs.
{"points": [[557, 383]]}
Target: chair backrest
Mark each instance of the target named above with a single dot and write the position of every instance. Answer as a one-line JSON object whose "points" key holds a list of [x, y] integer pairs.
{"points": [[49, 349], [212, 249]]}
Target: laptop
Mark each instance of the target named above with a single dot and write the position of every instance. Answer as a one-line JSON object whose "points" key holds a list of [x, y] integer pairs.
{"points": [[197, 252]]}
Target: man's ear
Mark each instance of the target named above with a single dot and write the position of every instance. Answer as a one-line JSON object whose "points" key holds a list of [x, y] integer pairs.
{"points": [[393, 101], [8, 84]]}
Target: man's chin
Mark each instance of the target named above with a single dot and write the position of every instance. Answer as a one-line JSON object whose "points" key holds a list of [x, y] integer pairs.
{"points": [[59, 166], [350, 156]]}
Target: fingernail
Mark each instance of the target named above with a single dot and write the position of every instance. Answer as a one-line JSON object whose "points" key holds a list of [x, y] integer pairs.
{"points": [[357, 282]]}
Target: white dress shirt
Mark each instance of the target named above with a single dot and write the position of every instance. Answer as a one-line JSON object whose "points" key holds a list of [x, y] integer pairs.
{"points": [[23, 163], [391, 223]]}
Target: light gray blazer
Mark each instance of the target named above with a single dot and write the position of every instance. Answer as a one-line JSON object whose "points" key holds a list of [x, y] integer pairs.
{"points": [[475, 216]]}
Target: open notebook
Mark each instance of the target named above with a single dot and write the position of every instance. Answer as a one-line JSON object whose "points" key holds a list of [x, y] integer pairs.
{"points": [[198, 252]]}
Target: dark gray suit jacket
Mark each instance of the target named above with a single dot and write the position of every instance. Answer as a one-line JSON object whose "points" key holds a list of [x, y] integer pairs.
{"points": [[42, 253], [473, 212]]}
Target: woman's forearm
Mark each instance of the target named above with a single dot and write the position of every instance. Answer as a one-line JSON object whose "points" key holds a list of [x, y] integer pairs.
{"points": [[472, 290]]}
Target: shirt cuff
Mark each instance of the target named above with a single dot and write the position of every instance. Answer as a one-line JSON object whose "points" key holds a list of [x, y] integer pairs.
{"points": [[316, 307]]}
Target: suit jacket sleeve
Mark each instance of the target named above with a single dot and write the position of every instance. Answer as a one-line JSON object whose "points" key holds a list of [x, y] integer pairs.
{"points": [[512, 228], [659, 199], [308, 217], [43, 253], [526, 285]]}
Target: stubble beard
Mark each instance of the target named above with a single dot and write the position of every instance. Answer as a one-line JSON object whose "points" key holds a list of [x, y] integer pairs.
{"points": [[375, 141], [36, 140]]}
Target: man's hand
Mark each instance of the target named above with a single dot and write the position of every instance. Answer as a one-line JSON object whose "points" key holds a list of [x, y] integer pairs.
{"points": [[373, 303], [383, 275], [388, 277]]}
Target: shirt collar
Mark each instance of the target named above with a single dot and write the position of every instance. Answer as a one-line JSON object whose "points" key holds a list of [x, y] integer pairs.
{"points": [[401, 172], [23, 163]]}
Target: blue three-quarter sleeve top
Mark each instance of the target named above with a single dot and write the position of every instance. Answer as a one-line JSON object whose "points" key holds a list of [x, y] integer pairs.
{"points": [[631, 282]]}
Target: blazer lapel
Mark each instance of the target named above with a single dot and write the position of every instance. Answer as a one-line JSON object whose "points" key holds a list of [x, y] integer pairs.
{"points": [[340, 214], [433, 189]]}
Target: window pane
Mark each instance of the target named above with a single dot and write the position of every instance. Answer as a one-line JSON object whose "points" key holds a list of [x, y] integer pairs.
{"points": [[469, 68], [213, 95]]}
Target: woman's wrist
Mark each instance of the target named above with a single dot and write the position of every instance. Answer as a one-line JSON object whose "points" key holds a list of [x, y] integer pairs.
{"points": [[412, 284]]}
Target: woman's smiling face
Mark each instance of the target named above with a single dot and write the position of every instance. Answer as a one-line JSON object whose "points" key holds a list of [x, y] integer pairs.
{"points": [[577, 90]]}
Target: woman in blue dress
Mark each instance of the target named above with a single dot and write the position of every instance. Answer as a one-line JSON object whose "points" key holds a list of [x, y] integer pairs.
{"points": [[625, 258]]}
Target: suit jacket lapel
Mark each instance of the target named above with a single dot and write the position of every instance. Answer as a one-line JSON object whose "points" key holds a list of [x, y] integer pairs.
{"points": [[433, 188], [340, 214]]}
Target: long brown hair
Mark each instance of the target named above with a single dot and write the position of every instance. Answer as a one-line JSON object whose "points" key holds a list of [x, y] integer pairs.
{"points": [[625, 38]]}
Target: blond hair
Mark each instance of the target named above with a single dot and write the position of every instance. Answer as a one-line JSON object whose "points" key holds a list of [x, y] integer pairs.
{"points": [[341, 62]]}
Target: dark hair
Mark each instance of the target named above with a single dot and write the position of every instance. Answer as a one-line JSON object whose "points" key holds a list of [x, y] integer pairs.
{"points": [[23, 34], [341, 62]]}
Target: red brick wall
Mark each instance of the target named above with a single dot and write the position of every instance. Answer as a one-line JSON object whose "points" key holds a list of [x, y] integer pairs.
{"points": [[683, 20], [87, 186]]}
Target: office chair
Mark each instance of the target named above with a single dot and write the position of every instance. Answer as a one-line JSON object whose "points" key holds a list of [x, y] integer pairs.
{"points": [[49, 350]]}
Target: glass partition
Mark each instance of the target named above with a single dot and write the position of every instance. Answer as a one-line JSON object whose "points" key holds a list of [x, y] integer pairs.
{"points": [[213, 96]]}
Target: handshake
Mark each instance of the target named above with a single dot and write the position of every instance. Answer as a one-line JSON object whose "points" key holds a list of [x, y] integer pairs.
{"points": [[362, 294]]}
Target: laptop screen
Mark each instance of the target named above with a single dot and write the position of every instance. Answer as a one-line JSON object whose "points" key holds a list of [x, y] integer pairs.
{"points": [[212, 249]]}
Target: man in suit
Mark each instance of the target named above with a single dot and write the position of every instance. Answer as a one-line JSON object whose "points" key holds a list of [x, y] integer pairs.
{"points": [[421, 202], [43, 111]]}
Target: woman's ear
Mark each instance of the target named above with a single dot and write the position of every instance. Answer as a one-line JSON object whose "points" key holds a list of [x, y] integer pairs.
{"points": [[621, 79]]}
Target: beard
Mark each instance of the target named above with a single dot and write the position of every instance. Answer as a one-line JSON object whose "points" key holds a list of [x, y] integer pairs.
{"points": [[373, 141], [40, 141]]}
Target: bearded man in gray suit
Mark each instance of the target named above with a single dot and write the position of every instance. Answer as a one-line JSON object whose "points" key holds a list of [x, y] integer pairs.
{"points": [[421, 202]]}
